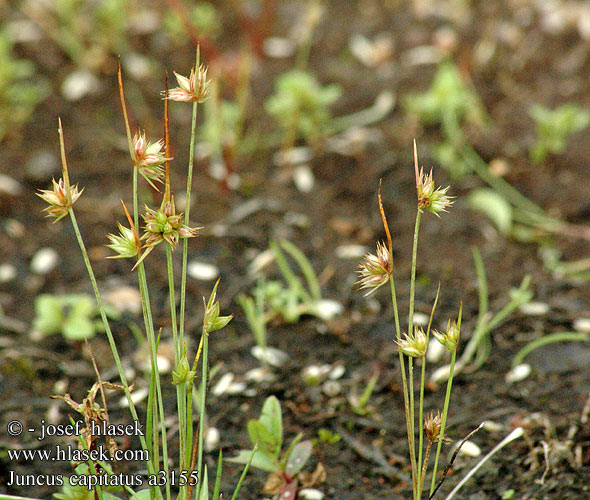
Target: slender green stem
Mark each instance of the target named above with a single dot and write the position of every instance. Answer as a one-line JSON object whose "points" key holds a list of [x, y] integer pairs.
{"points": [[111, 340], [415, 471], [203, 394], [444, 420], [189, 184], [179, 353], [149, 326], [402, 365], [421, 468]]}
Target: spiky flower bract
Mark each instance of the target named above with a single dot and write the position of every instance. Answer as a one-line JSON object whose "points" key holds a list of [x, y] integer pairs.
{"points": [[165, 224], [450, 338], [414, 346], [430, 199], [60, 199], [125, 244], [432, 426], [191, 89], [375, 269], [149, 158]]}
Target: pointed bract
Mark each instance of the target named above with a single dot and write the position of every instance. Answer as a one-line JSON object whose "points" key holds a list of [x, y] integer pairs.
{"points": [[58, 200]]}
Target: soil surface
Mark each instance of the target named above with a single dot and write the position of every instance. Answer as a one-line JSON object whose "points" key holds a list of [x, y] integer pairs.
{"points": [[513, 53]]}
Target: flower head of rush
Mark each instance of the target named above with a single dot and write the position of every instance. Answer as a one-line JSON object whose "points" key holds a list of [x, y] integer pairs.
{"points": [[149, 158], [430, 199], [375, 269], [164, 224], [61, 198], [195, 88], [127, 243], [414, 345]]}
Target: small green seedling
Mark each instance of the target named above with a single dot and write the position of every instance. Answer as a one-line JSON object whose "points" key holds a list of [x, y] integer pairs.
{"points": [[553, 128], [286, 300], [71, 315], [329, 437], [301, 106], [360, 404], [267, 433], [20, 88]]}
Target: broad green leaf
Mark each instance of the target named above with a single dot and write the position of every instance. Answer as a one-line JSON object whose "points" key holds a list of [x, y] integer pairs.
{"points": [[298, 457], [259, 461], [495, 206], [271, 417], [78, 328], [267, 443], [141, 495], [49, 314]]}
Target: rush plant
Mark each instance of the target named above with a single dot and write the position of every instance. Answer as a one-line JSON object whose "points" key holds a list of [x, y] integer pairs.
{"points": [[165, 227], [377, 270]]}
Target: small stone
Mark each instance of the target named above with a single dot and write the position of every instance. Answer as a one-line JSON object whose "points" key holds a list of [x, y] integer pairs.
{"points": [[582, 325], [310, 494], [491, 426], [124, 299], [293, 156], [314, 374], [328, 309], [470, 449], [223, 385], [211, 439], [272, 356], [138, 66], [136, 396], [351, 251], [337, 372], [303, 178], [42, 166], [7, 273], [44, 261], [259, 262], [202, 271], [518, 373], [435, 351], [79, 84], [278, 47], [421, 319], [332, 388], [534, 308], [260, 374], [10, 186]]}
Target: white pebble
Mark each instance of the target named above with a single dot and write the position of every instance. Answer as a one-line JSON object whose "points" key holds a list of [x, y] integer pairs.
{"points": [[351, 251], [10, 186], [223, 385], [314, 374], [435, 351], [303, 178], [278, 47], [582, 325], [470, 449], [337, 372], [518, 373], [332, 388], [78, 84], [7, 273], [211, 439], [534, 308], [44, 261], [136, 396], [124, 299], [272, 356], [328, 309], [492, 426], [202, 271], [421, 319], [293, 156], [310, 494], [260, 374]]}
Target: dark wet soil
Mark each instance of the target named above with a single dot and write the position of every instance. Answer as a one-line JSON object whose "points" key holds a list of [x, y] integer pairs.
{"points": [[533, 61]]}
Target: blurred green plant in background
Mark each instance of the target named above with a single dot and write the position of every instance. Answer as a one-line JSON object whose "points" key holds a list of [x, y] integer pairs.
{"points": [[20, 88]]}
